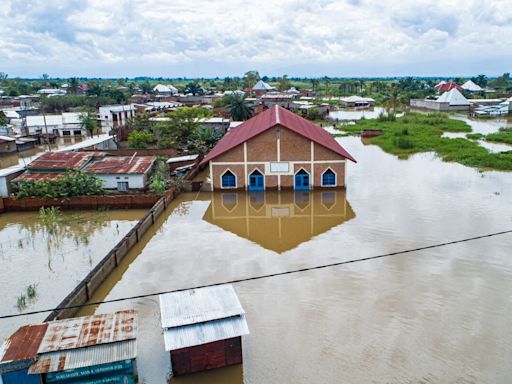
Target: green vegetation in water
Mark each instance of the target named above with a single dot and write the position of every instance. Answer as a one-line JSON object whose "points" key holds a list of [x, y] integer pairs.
{"points": [[504, 135], [414, 133], [49, 218], [31, 291], [73, 183], [21, 302], [475, 136]]}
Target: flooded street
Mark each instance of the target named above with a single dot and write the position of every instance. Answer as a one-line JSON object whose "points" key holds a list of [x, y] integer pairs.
{"points": [[439, 315], [53, 262], [356, 114]]}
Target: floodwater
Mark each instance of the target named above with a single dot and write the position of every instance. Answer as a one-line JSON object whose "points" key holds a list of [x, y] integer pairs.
{"points": [[442, 315], [25, 157], [54, 261], [356, 114]]}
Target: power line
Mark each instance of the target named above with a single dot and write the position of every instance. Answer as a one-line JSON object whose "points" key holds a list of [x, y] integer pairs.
{"points": [[293, 271]]}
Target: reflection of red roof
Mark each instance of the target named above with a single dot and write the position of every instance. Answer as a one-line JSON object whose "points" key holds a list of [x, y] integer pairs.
{"points": [[24, 343], [270, 118], [447, 87], [36, 176], [121, 164], [62, 160]]}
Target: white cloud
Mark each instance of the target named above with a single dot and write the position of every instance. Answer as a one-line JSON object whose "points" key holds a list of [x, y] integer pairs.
{"points": [[205, 38]]}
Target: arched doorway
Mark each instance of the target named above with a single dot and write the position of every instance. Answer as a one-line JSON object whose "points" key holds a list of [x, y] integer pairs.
{"points": [[302, 180], [256, 181]]}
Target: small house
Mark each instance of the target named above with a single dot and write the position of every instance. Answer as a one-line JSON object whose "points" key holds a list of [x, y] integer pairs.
{"points": [[203, 328], [471, 86], [7, 144], [444, 86], [6, 175], [181, 161], [122, 172], [25, 143], [91, 349], [260, 88], [166, 90], [277, 149], [115, 116], [357, 102]]}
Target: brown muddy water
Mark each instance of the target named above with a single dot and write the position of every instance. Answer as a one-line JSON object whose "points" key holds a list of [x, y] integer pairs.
{"points": [[437, 316], [53, 262]]}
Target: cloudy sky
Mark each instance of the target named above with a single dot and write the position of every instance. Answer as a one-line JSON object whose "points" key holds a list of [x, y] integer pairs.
{"points": [[200, 38]]}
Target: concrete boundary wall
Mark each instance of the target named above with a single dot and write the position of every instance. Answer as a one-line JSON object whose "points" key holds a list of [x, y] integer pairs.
{"points": [[88, 286]]}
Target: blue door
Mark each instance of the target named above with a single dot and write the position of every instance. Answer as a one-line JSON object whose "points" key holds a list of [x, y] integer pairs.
{"points": [[256, 181], [302, 180], [20, 377]]}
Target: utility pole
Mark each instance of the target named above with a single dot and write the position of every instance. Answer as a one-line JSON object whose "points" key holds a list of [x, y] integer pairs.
{"points": [[45, 126]]}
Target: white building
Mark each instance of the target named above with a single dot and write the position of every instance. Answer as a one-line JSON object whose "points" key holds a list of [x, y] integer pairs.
{"points": [[471, 86], [51, 91], [6, 175], [67, 124], [162, 89], [97, 142], [114, 116], [122, 172]]}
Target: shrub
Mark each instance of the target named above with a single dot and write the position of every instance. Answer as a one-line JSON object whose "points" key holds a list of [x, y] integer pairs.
{"points": [[140, 139], [403, 142]]}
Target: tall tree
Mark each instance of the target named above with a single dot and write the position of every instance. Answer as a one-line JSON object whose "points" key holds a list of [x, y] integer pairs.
{"points": [[251, 78], [194, 88], [73, 85], [283, 83], [88, 121], [238, 108], [180, 127]]}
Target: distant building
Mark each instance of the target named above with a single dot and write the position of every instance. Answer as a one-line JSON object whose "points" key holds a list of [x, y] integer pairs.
{"points": [[51, 91], [357, 101], [449, 101], [91, 349], [471, 87], [166, 90], [277, 149], [115, 116], [7, 144], [67, 124], [261, 88], [6, 176], [203, 328], [444, 86]]}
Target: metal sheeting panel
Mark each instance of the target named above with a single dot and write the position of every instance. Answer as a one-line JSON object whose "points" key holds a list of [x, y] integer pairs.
{"points": [[199, 305], [85, 357], [89, 330], [197, 334]]}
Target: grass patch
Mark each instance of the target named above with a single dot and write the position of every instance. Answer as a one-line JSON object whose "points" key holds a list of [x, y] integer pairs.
{"points": [[504, 135], [414, 133], [475, 136]]}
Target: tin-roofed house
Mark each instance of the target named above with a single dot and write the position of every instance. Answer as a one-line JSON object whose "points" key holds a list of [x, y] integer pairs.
{"points": [[277, 149], [203, 328], [91, 349]]}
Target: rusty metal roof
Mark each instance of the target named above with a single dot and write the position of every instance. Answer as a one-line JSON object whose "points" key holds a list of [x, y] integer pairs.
{"points": [[121, 165], [30, 177], [23, 344], [62, 160], [85, 357], [89, 331]]}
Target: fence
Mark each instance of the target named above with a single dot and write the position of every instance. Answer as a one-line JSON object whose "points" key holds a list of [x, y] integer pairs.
{"points": [[10, 204], [86, 288]]}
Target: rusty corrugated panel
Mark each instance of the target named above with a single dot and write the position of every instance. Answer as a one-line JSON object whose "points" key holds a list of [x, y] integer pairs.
{"points": [[85, 357], [23, 344], [89, 330], [62, 160], [35, 176], [121, 165]]}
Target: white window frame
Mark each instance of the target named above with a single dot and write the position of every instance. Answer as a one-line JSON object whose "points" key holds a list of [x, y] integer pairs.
{"points": [[335, 178], [234, 174]]}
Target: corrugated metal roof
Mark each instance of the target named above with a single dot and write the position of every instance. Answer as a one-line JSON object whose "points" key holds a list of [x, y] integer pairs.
{"points": [[181, 158], [199, 305], [197, 334], [30, 177], [85, 357], [62, 160], [270, 118], [22, 344], [86, 143], [121, 165], [89, 330]]}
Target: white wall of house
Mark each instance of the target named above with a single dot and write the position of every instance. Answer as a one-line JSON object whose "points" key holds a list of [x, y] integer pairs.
{"points": [[135, 181], [112, 116]]}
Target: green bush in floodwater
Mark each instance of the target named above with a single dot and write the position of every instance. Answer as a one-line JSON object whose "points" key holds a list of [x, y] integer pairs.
{"points": [[416, 132], [49, 218], [31, 291], [21, 302]]}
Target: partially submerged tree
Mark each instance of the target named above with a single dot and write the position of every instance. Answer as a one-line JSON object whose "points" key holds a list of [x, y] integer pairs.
{"points": [[180, 127]]}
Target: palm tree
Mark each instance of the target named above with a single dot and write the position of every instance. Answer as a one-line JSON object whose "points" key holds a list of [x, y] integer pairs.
{"points": [[73, 85], [238, 108], [88, 121]]}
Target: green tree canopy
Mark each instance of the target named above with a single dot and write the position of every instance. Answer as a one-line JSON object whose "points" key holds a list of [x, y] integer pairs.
{"points": [[180, 127], [238, 108]]}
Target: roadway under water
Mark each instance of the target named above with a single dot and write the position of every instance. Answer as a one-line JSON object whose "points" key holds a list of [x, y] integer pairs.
{"points": [[439, 315]]}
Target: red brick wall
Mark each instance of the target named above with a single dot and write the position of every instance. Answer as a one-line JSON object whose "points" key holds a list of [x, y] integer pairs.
{"points": [[263, 147], [322, 153], [237, 169], [236, 154], [338, 168], [294, 147]]}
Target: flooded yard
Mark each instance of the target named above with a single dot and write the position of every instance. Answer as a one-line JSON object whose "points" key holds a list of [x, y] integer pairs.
{"points": [[47, 263], [439, 315]]}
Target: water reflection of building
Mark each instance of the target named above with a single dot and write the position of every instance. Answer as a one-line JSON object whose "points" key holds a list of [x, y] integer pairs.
{"points": [[279, 221]]}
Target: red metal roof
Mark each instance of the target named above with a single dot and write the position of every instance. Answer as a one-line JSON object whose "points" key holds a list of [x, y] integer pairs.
{"points": [[62, 160], [268, 119], [24, 343], [448, 87], [121, 165], [31, 177]]}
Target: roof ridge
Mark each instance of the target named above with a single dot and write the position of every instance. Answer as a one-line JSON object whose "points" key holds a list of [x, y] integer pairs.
{"points": [[277, 114]]}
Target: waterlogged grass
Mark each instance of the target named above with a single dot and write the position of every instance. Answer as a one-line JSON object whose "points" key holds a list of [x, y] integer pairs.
{"points": [[504, 135], [414, 133]]}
